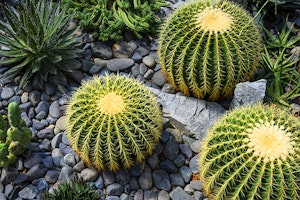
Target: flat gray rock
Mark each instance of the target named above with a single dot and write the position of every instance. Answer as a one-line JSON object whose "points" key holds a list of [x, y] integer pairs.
{"points": [[189, 115], [249, 93]]}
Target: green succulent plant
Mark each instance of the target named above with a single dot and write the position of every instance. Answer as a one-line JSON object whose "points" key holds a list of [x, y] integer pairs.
{"points": [[14, 135], [206, 48], [109, 18], [113, 122], [37, 42], [251, 153], [73, 190]]}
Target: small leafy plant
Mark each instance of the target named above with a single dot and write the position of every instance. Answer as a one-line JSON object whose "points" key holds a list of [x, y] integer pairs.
{"points": [[109, 18], [73, 190], [37, 42], [280, 68], [14, 135]]}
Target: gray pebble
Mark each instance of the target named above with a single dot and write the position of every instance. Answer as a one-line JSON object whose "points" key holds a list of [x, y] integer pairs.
{"points": [[65, 139], [196, 146], [177, 180], [2, 196], [69, 160], [171, 149], [16, 99], [78, 167], [24, 107], [32, 160], [114, 189], [7, 93], [99, 183], [188, 189], [52, 176], [150, 195], [137, 57], [153, 161], [89, 174], [145, 179], [95, 69], [122, 176], [112, 198], [196, 185], [34, 97], [161, 180], [42, 106], [86, 64], [136, 170], [109, 177], [143, 69], [61, 123], [148, 75], [8, 189], [56, 140], [48, 162], [139, 195], [36, 172], [118, 64], [142, 51], [134, 184], [149, 61], [21, 178], [186, 150], [66, 174], [168, 88], [199, 195], [50, 89], [159, 78], [194, 165], [45, 133], [122, 50], [42, 185], [101, 50], [179, 161], [163, 195], [54, 109], [41, 115], [186, 173], [1, 187], [24, 97], [57, 155], [179, 194], [29, 192], [169, 166]]}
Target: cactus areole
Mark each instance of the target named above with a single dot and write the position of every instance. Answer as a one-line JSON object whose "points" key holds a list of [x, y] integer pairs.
{"points": [[206, 48], [113, 122], [252, 153]]}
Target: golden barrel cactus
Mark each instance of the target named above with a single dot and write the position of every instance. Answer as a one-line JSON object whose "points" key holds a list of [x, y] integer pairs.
{"points": [[113, 122], [252, 152], [206, 47]]}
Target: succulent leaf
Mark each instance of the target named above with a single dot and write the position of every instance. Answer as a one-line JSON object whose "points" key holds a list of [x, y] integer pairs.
{"points": [[113, 122], [252, 153], [206, 48]]}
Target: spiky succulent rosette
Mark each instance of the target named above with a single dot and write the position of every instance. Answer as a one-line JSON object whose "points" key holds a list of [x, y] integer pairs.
{"points": [[207, 47], [252, 152], [113, 122]]}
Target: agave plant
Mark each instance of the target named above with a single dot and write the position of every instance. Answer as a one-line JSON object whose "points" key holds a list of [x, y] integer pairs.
{"points": [[36, 42]]}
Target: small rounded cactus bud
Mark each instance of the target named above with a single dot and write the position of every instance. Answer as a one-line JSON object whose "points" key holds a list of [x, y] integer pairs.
{"points": [[207, 47], [252, 152], [14, 114], [113, 122]]}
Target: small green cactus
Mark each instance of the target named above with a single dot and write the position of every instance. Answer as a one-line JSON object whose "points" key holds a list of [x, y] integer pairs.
{"points": [[252, 152], [13, 140], [113, 122], [206, 47]]}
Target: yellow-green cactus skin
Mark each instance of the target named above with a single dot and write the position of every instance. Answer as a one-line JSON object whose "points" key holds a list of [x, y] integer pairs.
{"points": [[206, 47], [251, 153], [113, 122]]}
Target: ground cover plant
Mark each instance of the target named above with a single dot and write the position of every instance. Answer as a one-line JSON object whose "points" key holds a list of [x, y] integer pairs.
{"points": [[252, 153], [37, 42], [113, 122], [205, 49], [108, 19]]}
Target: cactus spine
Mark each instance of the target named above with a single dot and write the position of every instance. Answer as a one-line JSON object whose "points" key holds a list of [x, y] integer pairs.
{"points": [[206, 48], [113, 122], [252, 153], [13, 140]]}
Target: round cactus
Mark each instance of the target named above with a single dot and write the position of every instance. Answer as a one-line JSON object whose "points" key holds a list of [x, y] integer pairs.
{"points": [[252, 152], [207, 47], [113, 122]]}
